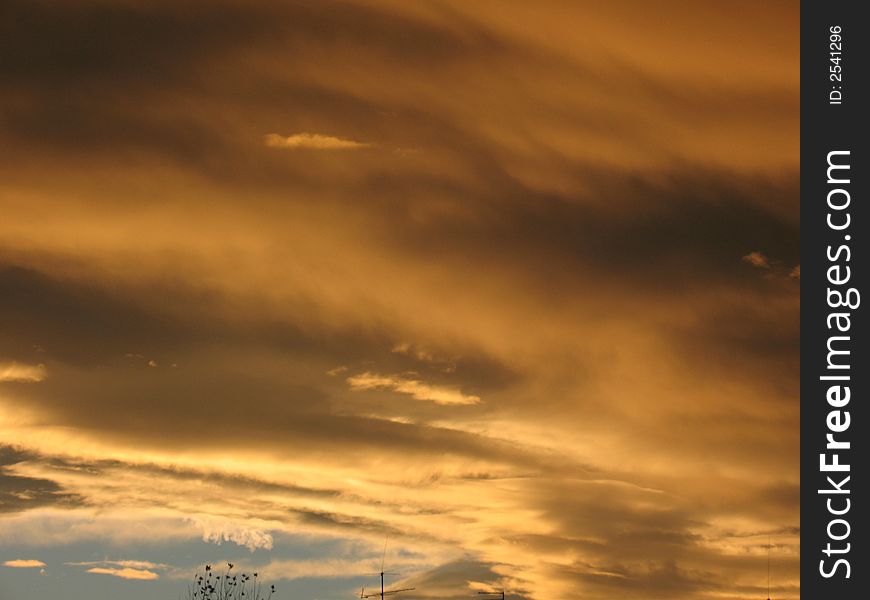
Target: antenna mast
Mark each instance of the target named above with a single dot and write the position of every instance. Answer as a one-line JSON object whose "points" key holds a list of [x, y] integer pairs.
{"points": [[768, 567], [383, 593]]}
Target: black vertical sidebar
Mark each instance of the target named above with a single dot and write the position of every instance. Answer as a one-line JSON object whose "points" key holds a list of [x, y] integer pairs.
{"points": [[835, 225]]}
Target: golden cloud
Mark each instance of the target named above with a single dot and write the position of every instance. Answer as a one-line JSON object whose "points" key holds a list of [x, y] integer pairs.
{"points": [[24, 564], [757, 259], [125, 573], [133, 564], [414, 387], [22, 373], [313, 141]]}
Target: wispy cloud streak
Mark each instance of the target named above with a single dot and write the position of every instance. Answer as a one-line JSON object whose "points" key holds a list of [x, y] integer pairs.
{"points": [[415, 388], [312, 141]]}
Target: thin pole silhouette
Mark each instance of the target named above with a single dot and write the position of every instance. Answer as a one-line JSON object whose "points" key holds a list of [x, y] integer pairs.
{"points": [[384, 555], [383, 592], [768, 567]]}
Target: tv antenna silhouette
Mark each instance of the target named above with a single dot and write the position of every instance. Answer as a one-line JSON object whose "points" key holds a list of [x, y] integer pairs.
{"points": [[383, 593], [768, 567], [495, 595]]}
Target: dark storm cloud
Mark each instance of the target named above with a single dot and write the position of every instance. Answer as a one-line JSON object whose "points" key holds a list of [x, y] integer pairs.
{"points": [[689, 231], [122, 76], [77, 325], [104, 77], [170, 410], [751, 338], [11, 455], [75, 322], [18, 493], [82, 323], [25, 493], [50, 42], [83, 75], [204, 402]]}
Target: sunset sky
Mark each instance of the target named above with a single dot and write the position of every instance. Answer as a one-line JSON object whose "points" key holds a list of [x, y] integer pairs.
{"points": [[513, 284]]}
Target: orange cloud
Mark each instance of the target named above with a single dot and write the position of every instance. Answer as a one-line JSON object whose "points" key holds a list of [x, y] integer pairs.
{"points": [[413, 387], [313, 141], [21, 373], [133, 564], [24, 564], [125, 573], [757, 259]]}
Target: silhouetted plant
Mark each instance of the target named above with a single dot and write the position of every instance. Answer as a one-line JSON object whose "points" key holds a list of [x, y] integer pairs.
{"points": [[228, 586]]}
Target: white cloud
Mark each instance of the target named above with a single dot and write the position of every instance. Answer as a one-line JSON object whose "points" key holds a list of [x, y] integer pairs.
{"points": [[16, 372], [417, 389], [313, 141], [218, 532], [22, 563]]}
